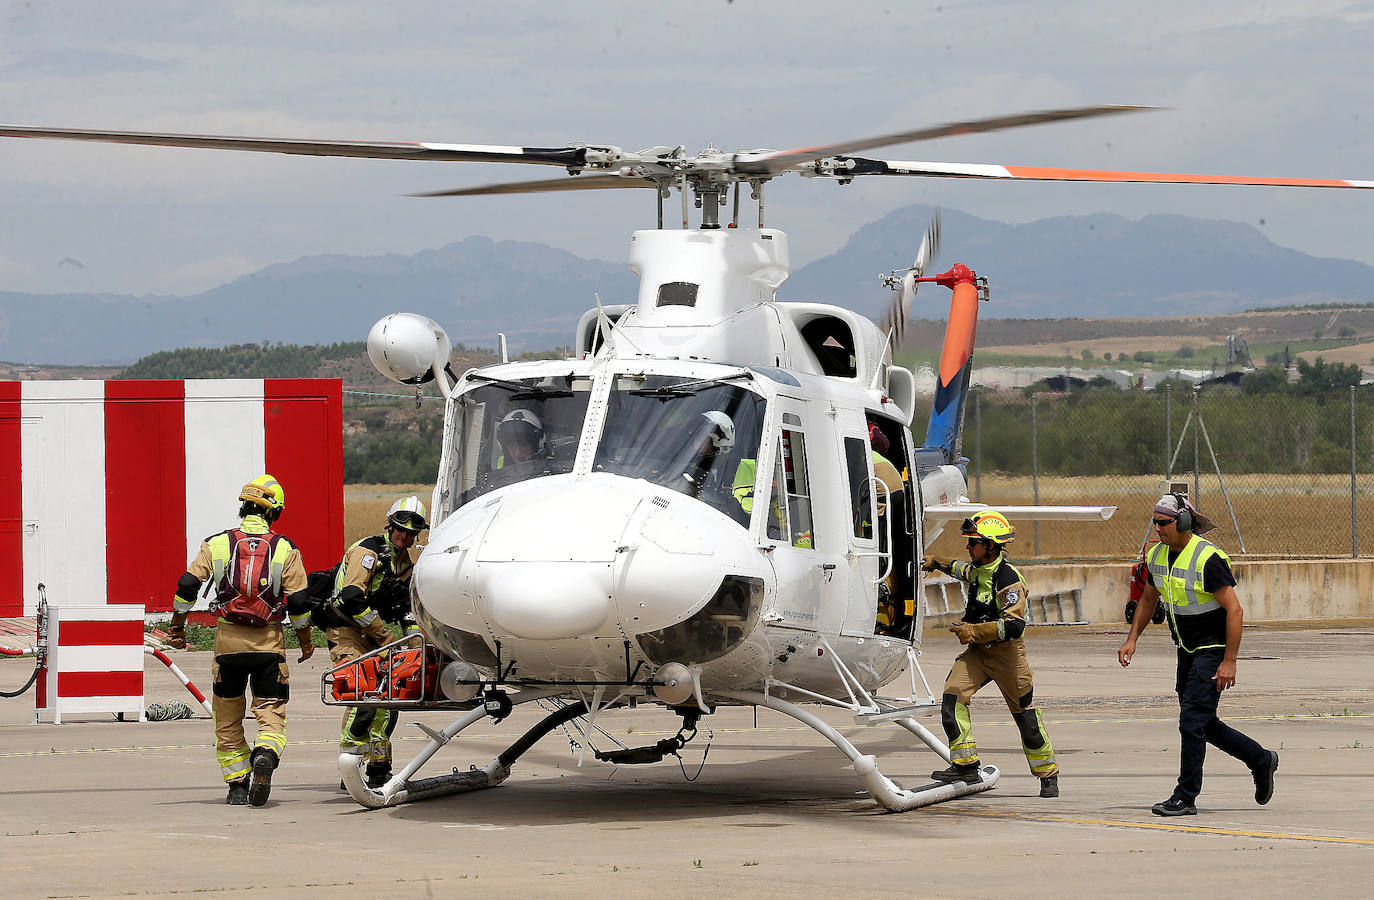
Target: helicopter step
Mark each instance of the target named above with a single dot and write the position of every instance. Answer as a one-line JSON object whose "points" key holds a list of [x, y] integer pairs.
{"points": [[885, 792], [401, 789], [895, 713]]}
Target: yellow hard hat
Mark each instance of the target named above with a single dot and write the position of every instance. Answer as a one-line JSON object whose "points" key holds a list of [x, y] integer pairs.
{"points": [[265, 492], [989, 524]]}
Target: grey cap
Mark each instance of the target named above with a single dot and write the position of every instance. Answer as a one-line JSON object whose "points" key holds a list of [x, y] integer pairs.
{"points": [[1170, 504]]}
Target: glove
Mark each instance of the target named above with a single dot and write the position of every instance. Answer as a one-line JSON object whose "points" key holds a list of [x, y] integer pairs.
{"points": [[307, 644], [963, 631], [176, 631], [933, 563]]}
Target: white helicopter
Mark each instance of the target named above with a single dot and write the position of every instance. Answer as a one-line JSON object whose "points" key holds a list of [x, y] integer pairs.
{"points": [[686, 512]]}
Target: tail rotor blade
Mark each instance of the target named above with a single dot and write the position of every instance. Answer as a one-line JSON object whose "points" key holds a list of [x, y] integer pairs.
{"points": [[900, 310]]}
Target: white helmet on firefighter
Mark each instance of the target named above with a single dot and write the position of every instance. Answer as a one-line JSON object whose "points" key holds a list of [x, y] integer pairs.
{"points": [[407, 514]]}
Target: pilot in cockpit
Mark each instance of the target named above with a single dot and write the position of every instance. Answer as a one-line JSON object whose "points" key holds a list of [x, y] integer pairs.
{"points": [[713, 478], [521, 436]]}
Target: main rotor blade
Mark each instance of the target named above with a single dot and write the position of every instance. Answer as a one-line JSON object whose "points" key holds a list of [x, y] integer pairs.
{"points": [[777, 161], [552, 156], [579, 183], [1037, 173]]}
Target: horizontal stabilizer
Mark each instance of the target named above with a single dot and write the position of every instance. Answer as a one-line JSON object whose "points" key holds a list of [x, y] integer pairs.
{"points": [[944, 512]]}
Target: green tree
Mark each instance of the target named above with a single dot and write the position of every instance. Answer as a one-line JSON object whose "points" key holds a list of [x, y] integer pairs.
{"points": [[1322, 376]]}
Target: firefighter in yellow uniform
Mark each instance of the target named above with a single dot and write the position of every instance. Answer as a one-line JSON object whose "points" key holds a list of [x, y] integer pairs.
{"points": [[252, 569], [371, 587], [992, 626]]}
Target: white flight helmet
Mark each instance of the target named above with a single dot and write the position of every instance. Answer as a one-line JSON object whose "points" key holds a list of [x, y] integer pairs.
{"points": [[722, 430], [522, 425]]}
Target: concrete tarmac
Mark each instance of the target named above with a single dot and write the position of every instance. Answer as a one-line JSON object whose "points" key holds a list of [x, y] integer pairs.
{"points": [[100, 808]]}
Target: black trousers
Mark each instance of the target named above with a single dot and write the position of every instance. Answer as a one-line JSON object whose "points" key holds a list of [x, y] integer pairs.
{"points": [[1199, 726]]}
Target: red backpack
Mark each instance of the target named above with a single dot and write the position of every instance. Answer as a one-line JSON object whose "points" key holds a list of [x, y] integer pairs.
{"points": [[247, 595]]}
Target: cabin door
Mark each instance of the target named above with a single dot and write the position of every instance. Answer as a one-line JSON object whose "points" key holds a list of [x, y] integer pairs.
{"points": [[865, 563]]}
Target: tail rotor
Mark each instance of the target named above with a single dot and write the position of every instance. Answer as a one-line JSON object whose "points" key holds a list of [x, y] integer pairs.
{"points": [[905, 282]]}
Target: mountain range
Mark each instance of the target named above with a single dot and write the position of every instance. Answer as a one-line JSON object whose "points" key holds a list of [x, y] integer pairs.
{"points": [[1098, 265]]}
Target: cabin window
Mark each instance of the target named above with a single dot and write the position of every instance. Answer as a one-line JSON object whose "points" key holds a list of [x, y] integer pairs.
{"points": [[791, 506], [832, 342], [860, 490], [714, 630], [514, 430], [697, 437], [677, 293]]}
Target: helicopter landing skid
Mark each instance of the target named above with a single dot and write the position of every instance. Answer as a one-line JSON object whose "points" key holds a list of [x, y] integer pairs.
{"points": [[884, 791], [401, 789]]}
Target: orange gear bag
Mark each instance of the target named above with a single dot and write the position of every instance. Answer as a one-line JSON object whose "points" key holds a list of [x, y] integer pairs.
{"points": [[413, 674], [358, 681]]}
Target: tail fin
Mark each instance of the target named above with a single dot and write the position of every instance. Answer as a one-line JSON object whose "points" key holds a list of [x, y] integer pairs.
{"points": [[956, 364]]}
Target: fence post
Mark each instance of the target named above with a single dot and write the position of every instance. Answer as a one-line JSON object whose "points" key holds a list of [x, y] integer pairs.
{"points": [[1035, 467], [1168, 431], [978, 445], [1197, 456], [1354, 522]]}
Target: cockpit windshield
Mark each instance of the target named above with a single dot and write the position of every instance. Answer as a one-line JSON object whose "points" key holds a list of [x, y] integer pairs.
{"points": [[515, 430], [699, 437]]}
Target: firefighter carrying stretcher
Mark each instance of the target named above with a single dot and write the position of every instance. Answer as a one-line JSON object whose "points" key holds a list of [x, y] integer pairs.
{"points": [[371, 588]]}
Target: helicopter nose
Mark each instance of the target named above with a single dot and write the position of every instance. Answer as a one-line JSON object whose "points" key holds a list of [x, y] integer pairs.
{"points": [[521, 600], [563, 558], [544, 568]]}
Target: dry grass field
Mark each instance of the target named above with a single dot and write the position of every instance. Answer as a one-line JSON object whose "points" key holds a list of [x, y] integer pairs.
{"points": [[365, 507], [1278, 515]]}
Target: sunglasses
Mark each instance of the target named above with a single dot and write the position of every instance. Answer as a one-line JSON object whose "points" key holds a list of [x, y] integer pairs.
{"points": [[1160, 523]]}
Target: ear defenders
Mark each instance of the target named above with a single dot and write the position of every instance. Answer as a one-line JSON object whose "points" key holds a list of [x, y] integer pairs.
{"points": [[1184, 520]]}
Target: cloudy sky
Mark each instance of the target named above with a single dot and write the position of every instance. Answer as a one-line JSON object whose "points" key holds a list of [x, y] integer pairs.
{"points": [[1251, 89]]}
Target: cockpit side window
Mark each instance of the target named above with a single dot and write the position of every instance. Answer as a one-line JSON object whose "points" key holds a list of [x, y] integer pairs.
{"points": [[511, 431], [792, 491], [700, 438], [856, 457]]}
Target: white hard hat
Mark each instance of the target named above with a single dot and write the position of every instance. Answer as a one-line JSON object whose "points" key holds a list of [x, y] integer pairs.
{"points": [[407, 514]]}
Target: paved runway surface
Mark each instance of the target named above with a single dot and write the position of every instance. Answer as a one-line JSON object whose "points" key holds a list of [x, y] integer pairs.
{"points": [[100, 808]]}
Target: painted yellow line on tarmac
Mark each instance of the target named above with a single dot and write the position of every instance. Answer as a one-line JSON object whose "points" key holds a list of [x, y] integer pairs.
{"points": [[1164, 826]]}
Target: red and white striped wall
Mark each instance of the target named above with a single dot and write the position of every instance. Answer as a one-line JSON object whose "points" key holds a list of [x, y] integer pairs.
{"points": [[108, 488], [94, 664]]}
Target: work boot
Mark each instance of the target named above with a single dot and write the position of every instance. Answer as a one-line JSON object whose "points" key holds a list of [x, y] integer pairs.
{"points": [[238, 793], [264, 761], [1049, 787], [1264, 778], [1174, 807], [378, 774], [968, 774]]}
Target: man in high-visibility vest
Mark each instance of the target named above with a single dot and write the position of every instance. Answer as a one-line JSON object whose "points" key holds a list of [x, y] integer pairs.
{"points": [[991, 628], [1192, 577], [371, 587], [253, 569]]}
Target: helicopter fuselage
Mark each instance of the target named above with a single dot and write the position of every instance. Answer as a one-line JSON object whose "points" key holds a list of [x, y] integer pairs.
{"points": [[630, 541]]}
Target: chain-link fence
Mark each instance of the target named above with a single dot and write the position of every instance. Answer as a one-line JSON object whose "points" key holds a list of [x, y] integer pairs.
{"points": [[1283, 473]]}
